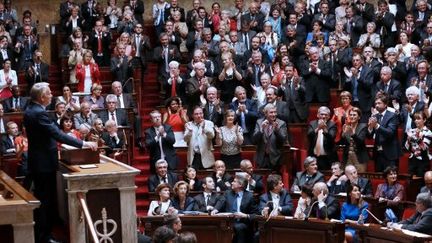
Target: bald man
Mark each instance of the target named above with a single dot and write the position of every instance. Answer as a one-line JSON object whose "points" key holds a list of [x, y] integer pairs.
{"points": [[428, 182]]}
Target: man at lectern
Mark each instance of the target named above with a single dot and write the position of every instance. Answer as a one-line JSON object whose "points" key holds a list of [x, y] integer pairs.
{"points": [[43, 135]]}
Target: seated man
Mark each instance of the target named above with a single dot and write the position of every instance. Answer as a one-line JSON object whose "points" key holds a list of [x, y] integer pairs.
{"points": [[337, 178], [60, 109], [309, 176], [327, 206], [209, 200], [85, 116], [223, 180], [277, 200], [8, 140], [16, 103], [255, 182], [421, 221], [242, 204], [162, 176], [428, 182], [112, 113], [353, 177], [113, 140]]}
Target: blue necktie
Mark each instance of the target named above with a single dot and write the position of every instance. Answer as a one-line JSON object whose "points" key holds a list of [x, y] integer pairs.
{"points": [[235, 205]]}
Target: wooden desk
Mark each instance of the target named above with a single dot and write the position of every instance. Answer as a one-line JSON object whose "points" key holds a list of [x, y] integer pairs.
{"points": [[280, 229], [375, 234], [16, 210], [206, 228]]}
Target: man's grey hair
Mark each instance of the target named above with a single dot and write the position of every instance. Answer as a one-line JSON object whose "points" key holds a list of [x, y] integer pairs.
{"points": [[268, 107], [425, 199], [412, 90], [308, 161], [111, 98], [38, 90], [324, 109]]}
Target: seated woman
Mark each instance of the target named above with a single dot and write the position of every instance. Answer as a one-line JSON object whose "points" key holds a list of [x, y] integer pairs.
{"points": [[316, 29], [353, 137], [95, 99], [230, 138], [391, 192], [176, 117], [72, 102], [303, 202], [181, 200], [309, 176], [340, 114], [190, 177], [353, 211], [163, 205], [370, 38], [8, 78], [87, 73], [66, 125]]}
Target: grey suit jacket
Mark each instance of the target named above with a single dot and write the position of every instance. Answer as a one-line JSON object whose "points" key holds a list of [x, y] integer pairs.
{"points": [[79, 119]]}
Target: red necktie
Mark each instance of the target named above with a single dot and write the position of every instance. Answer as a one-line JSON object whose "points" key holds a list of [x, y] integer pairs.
{"points": [[173, 87], [99, 43]]}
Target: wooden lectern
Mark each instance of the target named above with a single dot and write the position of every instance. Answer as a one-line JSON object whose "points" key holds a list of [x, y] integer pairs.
{"points": [[109, 192], [16, 210]]}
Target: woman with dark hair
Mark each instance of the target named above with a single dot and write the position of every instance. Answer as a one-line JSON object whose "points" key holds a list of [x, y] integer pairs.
{"points": [[181, 200], [187, 237], [391, 192], [353, 211], [66, 125], [164, 234], [163, 205], [72, 102], [190, 177], [176, 117], [8, 78], [316, 29], [230, 138], [304, 202]]}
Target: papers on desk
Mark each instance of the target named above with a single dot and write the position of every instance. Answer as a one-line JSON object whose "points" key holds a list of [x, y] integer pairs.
{"points": [[80, 93], [289, 217], [336, 221], [342, 194], [224, 214], [415, 234]]}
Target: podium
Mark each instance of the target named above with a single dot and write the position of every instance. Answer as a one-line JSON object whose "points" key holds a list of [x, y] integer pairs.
{"points": [[108, 189], [372, 233], [16, 210]]}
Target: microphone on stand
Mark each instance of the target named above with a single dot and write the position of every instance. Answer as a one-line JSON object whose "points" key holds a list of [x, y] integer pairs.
{"points": [[373, 216], [310, 211]]}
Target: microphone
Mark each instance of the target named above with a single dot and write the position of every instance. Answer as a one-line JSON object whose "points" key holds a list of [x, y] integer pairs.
{"points": [[373, 216], [310, 211], [269, 204]]}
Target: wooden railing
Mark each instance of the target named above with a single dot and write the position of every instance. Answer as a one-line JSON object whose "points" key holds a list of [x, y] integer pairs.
{"points": [[88, 219]]}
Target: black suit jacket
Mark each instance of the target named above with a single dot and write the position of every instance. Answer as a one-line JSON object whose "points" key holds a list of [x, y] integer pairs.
{"points": [[388, 37], [154, 181], [43, 135], [247, 206], [285, 202], [332, 209], [224, 183], [32, 79], [121, 117], [356, 29], [358, 137], [329, 19], [8, 103], [167, 146], [386, 136], [394, 89], [282, 110], [111, 143], [106, 42], [318, 82], [259, 17], [301, 179], [419, 222], [122, 70], [216, 201], [259, 186], [188, 206], [329, 137], [173, 55], [365, 87], [6, 144], [297, 98], [250, 117], [215, 117]]}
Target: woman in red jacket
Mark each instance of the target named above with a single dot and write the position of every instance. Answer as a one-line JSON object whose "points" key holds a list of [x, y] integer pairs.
{"points": [[87, 73]]}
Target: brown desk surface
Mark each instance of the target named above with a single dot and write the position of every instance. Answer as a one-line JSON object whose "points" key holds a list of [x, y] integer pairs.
{"points": [[101, 168]]}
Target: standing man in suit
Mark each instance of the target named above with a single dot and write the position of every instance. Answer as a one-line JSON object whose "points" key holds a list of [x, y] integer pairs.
{"points": [[246, 35], [100, 41], [270, 136], [407, 111], [213, 107], [112, 113], [382, 126], [141, 42], [354, 25], [36, 71], [137, 7], [254, 17], [246, 112], [199, 134], [162, 175], [6, 53], [294, 95], [277, 200], [121, 68], [160, 140], [17, 102], [242, 204], [365, 10], [321, 135], [386, 26], [3, 121], [43, 136], [389, 85], [328, 19], [209, 200], [25, 46], [197, 85], [281, 106], [254, 181], [316, 73]]}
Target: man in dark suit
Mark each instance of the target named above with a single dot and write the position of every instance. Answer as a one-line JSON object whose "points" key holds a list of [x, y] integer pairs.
{"points": [[209, 200], [354, 25], [277, 200], [8, 140], [254, 181], [249, 58], [372, 62], [301, 30], [424, 78], [66, 9], [336, 179], [382, 126], [282, 108], [327, 207], [121, 68], [197, 85], [294, 95], [213, 108], [25, 46], [352, 177], [112, 139], [15, 103], [321, 135], [112, 113], [43, 136], [407, 111], [328, 19], [3, 121], [316, 73], [270, 136], [428, 182], [88, 12], [141, 42], [246, 34], [194, 34], [421, 221], [309, 176], [6, 52], [254, 17], [246, 112], [159, 139], [173, 8], [365, 10], [242, 204], [100, 42], [162, 176], [294, 41], [36, 71], [398, 69], [389, 85], [221, 177], [255, 69], [386, 26], [137, 7]]}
